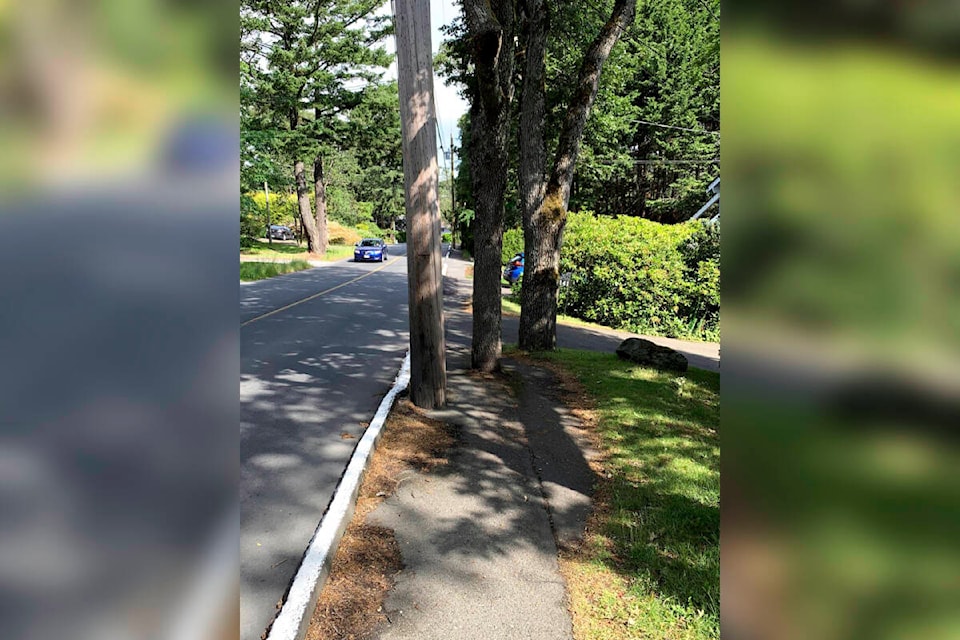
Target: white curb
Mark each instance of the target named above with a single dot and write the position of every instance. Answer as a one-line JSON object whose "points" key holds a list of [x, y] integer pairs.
{"points": [[294, 617]]}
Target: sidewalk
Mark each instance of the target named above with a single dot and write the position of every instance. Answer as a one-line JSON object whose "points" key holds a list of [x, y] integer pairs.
{"points": [[480, 536]]}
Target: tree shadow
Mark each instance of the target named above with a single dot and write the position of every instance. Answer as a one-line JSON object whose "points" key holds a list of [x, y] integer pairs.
{"points": [[311, 376], [522, 471]]}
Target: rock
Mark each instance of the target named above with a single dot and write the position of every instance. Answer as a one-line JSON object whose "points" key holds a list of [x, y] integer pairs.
{"points": [[652, 355]]}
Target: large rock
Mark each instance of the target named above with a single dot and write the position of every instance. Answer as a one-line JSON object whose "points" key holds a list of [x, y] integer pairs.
{"points": [[651, 355]]}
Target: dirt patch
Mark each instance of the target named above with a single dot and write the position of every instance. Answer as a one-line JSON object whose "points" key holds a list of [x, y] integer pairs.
{"points": [[368, 558]]}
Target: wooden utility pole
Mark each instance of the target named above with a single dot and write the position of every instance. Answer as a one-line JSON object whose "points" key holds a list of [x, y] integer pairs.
{"points": [[428, 371], [266, 193]]}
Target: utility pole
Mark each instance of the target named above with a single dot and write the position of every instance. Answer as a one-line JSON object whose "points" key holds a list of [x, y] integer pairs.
{"points": [[453, 189], [266, 193], [428, 371]]}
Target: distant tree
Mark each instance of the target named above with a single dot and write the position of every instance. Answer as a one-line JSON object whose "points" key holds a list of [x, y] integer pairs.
{"points": [[375, 139], [304, 66]]}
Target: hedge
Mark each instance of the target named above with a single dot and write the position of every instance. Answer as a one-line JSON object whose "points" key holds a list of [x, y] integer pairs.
{"points": [[642, 276], [638, 275]]}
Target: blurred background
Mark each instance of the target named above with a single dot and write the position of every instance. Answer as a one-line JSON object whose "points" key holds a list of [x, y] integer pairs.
{"points": [[119, 349], [841, 319]]}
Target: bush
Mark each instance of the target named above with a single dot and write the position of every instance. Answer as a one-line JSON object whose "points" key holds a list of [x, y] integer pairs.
{"points": [[401, 236], [252, 220], [641, 276], [369, 230], [339, 234], [512, 244], [446, 237], [261, 270]]}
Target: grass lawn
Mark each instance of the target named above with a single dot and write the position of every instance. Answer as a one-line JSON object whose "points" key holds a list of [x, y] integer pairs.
{"points": [[510, 306], [260, 270], [264, 249], [650, 564]]}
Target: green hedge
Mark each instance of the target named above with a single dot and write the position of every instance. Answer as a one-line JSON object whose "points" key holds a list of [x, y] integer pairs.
{"points": [[642, 276], [512, 244]]}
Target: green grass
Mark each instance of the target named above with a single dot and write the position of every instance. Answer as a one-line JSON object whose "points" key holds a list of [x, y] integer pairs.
{"points": [[261, 270], [511, 305], [651, 565], [263, 249]]}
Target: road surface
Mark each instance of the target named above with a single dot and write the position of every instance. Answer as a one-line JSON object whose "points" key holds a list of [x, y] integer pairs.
{"points": [[312, 374]]}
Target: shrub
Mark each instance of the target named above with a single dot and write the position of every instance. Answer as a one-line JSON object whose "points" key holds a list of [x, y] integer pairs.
{"points": [[369, 230], [512, 244], [339, 234], [642, 276], [252, 220], [261, 270], [447, 237], [401, 236]]}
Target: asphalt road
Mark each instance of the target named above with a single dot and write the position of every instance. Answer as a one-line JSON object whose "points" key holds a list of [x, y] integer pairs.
{"points": [[312, 374]]}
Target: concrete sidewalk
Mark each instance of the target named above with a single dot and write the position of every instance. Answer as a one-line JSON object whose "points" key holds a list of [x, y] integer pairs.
{"points": [[480, 536]]}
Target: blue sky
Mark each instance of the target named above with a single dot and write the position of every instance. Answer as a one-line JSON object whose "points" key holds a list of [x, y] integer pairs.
{"points": [[450, 106]]}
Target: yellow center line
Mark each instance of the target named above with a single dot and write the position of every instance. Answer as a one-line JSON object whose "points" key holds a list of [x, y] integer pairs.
{"points": [[317, 295]]}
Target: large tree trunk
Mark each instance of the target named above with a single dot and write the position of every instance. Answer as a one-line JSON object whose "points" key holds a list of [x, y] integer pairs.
{"points": [[303, 200], [543, 236], [320, 200], [491, 27], [537, 253]]}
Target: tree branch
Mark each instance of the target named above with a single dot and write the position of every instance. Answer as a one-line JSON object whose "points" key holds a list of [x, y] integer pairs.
{"points": [[585, 92]]}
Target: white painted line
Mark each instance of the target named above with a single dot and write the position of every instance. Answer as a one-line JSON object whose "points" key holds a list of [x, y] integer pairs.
{"points": [[294, 617]]}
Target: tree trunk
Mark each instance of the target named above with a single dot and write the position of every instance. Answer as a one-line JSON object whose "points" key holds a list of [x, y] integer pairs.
{"points": [[543, 236], [491, 28], [320, 200], [537, 253], [303, 200]]}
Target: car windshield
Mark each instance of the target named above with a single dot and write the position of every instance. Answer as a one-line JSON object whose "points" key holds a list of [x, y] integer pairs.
{"points": [[370, 243]]}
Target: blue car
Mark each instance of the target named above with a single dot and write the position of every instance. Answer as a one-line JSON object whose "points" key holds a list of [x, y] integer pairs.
{"points": [[370, 249], [514, 269]]}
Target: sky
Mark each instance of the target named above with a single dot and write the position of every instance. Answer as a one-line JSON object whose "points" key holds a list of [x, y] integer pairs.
{"points": [[450, 106]]}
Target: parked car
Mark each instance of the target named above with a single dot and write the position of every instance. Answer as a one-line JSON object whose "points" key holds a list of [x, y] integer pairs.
{"points": [[370, 249], [280, 232], [514, 269]]}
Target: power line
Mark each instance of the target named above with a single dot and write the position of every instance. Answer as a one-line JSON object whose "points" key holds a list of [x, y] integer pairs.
{"points": [[670, 126], [608, 161], [436, 119]]}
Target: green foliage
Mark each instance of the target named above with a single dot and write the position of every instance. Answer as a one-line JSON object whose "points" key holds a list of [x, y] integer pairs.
{"points": [[283, 207], [642, 276], [447, 237], [311, 86], [665, 70], [261, 270], [253, 219], [401, 236], [369, 230], [512, 244]]}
